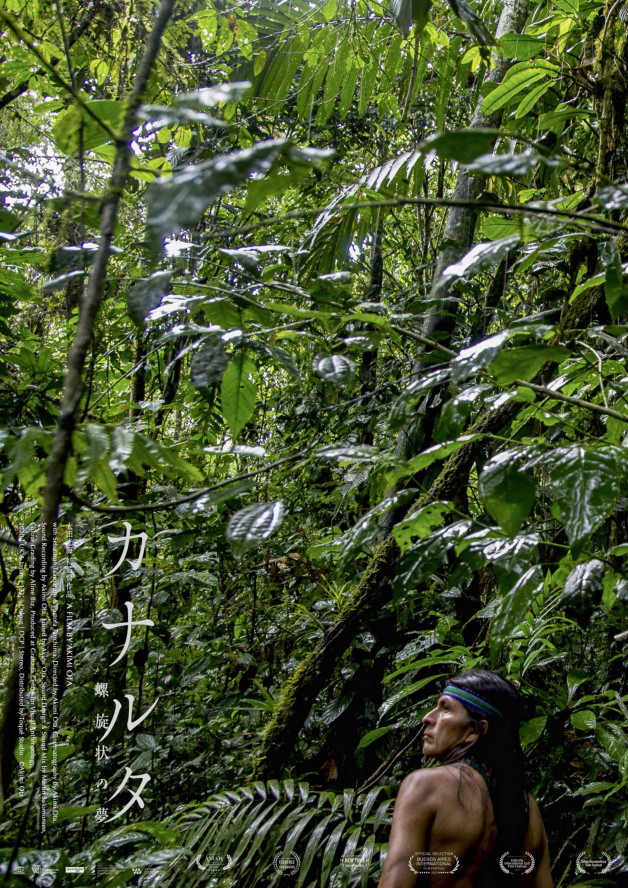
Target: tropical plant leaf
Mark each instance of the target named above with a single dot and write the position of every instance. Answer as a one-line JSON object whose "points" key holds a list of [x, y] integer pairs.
{"points": [[585, 486], [510, 164], [179, 201], [480, 258], [337, 369], [146, 294], [421, 558], [249, 527], [521, 46], [583, 588], [208, 366], [614, 288], [420, 524], [238, 392], [475, 24], [477, 357], [525, 361], [519, 77], [584, 720], [513, 607], [405, 12], [462, 145], [507, 492]]}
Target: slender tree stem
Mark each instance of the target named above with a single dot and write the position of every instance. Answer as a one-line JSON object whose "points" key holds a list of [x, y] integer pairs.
{"points": [[72, 390]]}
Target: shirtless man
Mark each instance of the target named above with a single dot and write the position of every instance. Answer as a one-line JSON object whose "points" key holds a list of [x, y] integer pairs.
{"points": [[473, 807]]}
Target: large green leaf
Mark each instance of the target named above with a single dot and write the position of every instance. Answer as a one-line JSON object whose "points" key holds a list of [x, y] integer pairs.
{"points": [[513, 607], [77, 128], [583, 588], [366, 528], [350, 453], [210, 96], [455, 413], [462, 145], [208, 366], [531, 730], [584, 720], [613, 739], [585, 485], [420, 524], [575, 678], [237, 392], [506, 491], [146, 294], [510, 164], [518, 78], [416, 564], [405, 12], [163, 115], [521, 46], [179, 201], [525, 361], [412, 394], [477, 357], [509, 558], [480, 258], [615, 289], [249, 527], [429, 456], [475, 24]]}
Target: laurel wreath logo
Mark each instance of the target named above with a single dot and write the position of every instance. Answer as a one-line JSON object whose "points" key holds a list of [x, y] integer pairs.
{"points": [[421, 853], [508, 872], [292, 868], [581, 871]]}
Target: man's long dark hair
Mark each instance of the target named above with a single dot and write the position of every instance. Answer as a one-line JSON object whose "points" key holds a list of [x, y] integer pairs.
{"points": [[498, 751]]}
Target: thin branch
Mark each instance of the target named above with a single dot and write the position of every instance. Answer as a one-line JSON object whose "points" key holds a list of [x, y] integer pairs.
{"points": [[190, 497], [425, 340], [502, 208], [540, 389], [577, 402]]}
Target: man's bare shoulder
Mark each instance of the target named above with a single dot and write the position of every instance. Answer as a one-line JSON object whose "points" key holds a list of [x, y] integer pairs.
{"points": [[425, 783], [535, 835]]}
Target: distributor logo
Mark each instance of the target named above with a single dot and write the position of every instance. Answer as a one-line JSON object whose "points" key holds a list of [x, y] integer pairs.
{"points": [[593, 866], [512, 864], [287, 864]]}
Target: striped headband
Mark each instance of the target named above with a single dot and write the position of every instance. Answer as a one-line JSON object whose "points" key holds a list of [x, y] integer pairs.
{"points": [[473, 700]]}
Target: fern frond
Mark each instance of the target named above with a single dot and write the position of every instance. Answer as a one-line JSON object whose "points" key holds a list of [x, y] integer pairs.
{"points": [[238, 835]]}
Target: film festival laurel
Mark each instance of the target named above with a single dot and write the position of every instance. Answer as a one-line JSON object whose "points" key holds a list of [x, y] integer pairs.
{"points": [[40, 649]]}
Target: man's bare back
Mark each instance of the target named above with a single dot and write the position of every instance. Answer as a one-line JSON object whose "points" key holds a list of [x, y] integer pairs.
{"points": [[448, 810]]}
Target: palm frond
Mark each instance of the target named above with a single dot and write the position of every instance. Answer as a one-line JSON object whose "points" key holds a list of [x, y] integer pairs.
{"points": [[239, 836]]}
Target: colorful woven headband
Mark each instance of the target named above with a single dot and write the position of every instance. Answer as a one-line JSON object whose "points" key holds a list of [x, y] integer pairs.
{"points": [[473, 700]]}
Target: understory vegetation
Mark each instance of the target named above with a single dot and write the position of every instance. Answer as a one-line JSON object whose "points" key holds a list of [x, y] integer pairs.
{"points": [[313, 339]]}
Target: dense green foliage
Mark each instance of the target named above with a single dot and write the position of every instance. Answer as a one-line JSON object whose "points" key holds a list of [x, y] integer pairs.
{"points": [[355, 363]]}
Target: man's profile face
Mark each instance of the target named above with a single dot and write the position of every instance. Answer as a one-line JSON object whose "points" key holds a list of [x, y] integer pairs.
{"points": [[446, 726]]}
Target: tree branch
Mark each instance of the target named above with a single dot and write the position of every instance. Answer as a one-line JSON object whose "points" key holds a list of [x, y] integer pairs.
{"points": [[72, 390], [501, 208]]}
